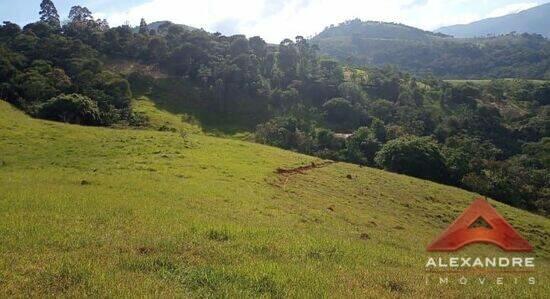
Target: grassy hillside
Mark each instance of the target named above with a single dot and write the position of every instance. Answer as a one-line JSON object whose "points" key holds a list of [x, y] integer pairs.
{"points": [[104, 212], [162, 120]]}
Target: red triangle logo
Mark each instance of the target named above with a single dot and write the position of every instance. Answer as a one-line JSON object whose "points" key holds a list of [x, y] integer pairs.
{"points": [[500, 233]]}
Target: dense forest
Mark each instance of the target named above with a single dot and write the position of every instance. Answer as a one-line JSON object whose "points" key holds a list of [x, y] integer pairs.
{"points": [[491, 138], [425, 53]]}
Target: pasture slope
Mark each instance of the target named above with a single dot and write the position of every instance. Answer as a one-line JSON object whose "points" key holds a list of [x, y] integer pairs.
{"points": [[104, 212]]}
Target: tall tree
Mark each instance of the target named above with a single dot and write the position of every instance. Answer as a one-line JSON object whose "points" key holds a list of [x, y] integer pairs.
{"points": [[48, 13], [80, 14], [102, 25], [143, 26]]}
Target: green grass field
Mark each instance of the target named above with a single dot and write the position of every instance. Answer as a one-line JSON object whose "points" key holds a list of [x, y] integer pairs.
{"points": [[105, 212]]}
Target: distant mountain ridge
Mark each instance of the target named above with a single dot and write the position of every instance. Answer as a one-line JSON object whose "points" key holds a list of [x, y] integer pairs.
{"points": [[534, 20], [427, 53], [381, 30]]}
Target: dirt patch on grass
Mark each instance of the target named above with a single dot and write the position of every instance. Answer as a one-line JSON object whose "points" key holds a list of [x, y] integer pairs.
{"points": [[303, 169], [284, 174], [145, 250]]}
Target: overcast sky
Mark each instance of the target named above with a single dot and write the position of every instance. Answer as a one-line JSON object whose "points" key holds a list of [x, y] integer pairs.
{"points": [[275, 20]]}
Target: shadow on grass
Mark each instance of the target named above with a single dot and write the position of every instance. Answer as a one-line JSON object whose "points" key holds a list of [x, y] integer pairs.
{"points": [[179, 97]]}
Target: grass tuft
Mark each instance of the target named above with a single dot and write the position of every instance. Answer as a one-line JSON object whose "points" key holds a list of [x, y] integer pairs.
{"points": [[219, 235]]}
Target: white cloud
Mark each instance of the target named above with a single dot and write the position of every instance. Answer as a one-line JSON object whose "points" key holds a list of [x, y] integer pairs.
{"points": [[511, 8], [272, 19], [275, 20]]}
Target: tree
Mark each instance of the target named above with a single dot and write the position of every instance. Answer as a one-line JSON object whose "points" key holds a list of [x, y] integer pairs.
{"points": [[157, 49], [339, 110], [102, 25], [35, 84], [141, 82], [415, 156], [59, 79], [9, 29], [239, 45], [80, 14], [466, 154], [48, 13], [382, 109], [462, 94], [258, 46], [142, 26], [362, 146], [9, 61], [351, 92], [39, 29], [542, 94], [119, 91], [288, 59], [378, 129], [285, 132]]}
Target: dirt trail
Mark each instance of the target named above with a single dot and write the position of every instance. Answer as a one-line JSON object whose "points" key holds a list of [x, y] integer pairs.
{"points": [[285, 174], [303, 169]]}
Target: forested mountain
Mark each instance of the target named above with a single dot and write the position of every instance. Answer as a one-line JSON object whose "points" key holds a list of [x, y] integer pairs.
{"points": [[490, 138], [534, 20], [425, 53], [377, 30]]}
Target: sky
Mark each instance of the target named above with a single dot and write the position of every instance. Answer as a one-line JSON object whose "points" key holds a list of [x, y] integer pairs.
{"points": [[275, 20]]}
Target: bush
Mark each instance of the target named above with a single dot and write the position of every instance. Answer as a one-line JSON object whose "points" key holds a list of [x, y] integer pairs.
{"points": [[287, 133], [72, 108], [362, 146], [119, 91], [415, 156]]}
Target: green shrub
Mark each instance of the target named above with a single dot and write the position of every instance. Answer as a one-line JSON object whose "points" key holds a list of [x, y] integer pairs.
{"points": [[415, 156], [72, 108]]}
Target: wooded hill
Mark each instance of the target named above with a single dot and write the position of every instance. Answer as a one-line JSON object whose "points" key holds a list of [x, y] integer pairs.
{"points": [[425, 53]]}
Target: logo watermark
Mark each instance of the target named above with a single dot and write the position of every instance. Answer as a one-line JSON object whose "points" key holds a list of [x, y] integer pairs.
{"points": [[466, 270]]}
